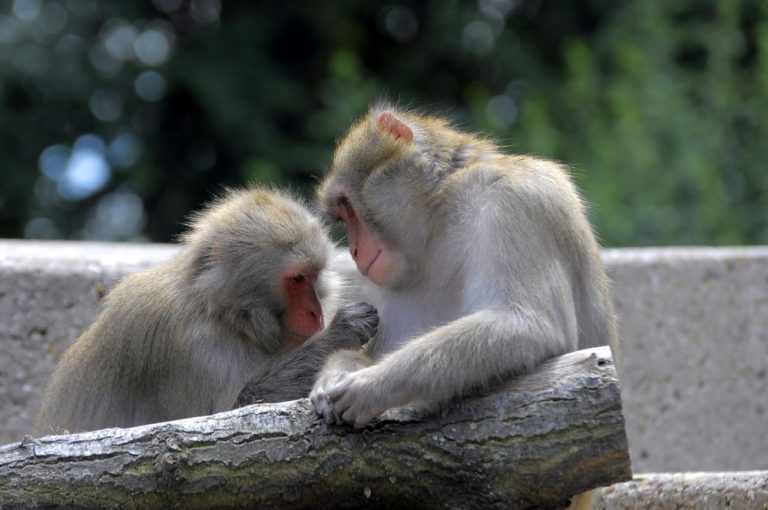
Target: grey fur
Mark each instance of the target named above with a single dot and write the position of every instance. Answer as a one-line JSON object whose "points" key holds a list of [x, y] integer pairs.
{"points": [[292, 374], [501, 267]]}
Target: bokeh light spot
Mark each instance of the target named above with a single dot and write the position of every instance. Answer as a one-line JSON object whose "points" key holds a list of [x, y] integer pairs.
{"points": [[54, 18], [9, 30], [119, 38], [70, 46], [205, 12], [478, 37], [501, 111], [87, 170], [53, 161], [27, 10], [118, 215], [167, 6], [41, 228], [125, 150], [104, 61], [400, 23], [106, 105], [150, 86], [152, 47], [498, 9]]}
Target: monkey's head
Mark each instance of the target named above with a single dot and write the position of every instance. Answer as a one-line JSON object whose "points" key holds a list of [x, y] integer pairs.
{"points": [[256, 260], [385, 185]]}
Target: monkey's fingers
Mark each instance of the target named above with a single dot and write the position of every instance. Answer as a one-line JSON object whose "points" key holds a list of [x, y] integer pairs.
{"points": [[359, 403], [338, 389], [350, 407], [356, 414], [328, 413], [337, 417], [322, 405]]}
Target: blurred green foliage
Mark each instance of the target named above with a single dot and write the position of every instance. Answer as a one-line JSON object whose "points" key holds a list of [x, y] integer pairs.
{"points": [[118, 118]]}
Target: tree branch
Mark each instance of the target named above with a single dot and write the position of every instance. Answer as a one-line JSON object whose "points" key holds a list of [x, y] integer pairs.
{"points": [[533, 442]]}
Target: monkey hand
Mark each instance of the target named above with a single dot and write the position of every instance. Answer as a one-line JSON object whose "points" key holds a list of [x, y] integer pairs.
{"points": [[339, 365], [358, 397], [352, 326]]}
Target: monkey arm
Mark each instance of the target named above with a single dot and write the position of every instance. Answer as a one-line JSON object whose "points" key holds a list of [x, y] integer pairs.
{"points": [[447, 362], [290, 375], [512, 324], [287, 377]]}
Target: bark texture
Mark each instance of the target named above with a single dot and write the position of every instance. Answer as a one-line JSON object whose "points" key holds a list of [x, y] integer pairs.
{"points": [[530, 443]]}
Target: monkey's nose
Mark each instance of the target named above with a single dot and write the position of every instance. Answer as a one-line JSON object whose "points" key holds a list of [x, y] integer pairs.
{"points": [[317, 318]]}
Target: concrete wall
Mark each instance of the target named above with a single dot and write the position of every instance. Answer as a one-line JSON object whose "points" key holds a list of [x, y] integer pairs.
{"points": [[49, 293], [694, 324], [695, 328]]}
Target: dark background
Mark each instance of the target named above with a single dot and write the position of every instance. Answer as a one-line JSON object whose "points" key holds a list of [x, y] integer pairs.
{"points": [[119, 118]]}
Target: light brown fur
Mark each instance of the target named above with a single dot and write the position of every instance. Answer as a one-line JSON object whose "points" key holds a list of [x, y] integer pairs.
{"points": [[202, 332]]}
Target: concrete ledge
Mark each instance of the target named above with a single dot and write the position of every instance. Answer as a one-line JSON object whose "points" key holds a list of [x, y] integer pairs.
{"points": [[694, 323], [745, 490]]}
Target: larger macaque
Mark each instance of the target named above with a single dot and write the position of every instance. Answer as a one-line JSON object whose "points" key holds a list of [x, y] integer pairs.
{"points": [[483, 264], [235, 318]]}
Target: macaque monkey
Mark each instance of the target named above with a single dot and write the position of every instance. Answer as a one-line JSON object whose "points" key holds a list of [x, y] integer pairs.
{"points": [[235, 318], [482, 265]]}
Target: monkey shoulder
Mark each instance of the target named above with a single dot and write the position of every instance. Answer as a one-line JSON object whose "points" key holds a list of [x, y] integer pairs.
{"points": [[513, 205], [539, 188], [141, 307], [143, 291]]}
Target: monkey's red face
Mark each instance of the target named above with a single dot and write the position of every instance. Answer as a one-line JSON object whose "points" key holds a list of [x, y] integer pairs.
{"points": [[352, 194], [303, 314], [373, 259]]}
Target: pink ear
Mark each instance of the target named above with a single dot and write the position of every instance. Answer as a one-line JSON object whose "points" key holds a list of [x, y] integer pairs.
{"points": [[395, 127]]}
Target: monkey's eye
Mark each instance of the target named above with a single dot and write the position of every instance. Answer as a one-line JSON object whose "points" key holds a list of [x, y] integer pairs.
{"points": [[299, 278]]}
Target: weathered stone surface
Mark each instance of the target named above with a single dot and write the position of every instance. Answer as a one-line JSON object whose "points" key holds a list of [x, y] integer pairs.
{"points": [[694, 324], [744, 490]]}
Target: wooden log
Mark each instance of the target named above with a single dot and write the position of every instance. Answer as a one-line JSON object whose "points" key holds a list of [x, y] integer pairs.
{"points": [[532, 442]]}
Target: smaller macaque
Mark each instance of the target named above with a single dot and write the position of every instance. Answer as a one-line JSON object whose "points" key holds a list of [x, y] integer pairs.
{"points": [[235, 318]]}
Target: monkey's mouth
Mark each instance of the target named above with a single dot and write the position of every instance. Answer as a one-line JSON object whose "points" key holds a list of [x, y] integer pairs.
{"points": [[367, 269]]}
